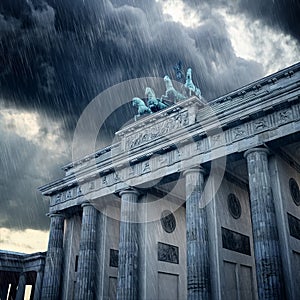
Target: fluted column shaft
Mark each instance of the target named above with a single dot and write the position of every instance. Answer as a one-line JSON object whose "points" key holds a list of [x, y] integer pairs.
{"points": [[85, 284], [198, 270], [128, 247], [265, 234], [54, 258], [38, 285], [21, 287]]}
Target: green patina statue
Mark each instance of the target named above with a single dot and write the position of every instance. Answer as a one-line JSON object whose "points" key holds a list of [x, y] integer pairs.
{"points": [[142, 108], [171, 96], [154, 103], [190, 85]]}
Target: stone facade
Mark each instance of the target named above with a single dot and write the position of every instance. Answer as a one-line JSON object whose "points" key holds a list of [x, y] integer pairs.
{"points": [[18, 270], [195, 201]]}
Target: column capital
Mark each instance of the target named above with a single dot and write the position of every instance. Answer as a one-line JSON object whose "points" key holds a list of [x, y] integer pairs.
{"points": [[195, 169], [55, 214], [86, 203], [258, 149], [131, 191]]}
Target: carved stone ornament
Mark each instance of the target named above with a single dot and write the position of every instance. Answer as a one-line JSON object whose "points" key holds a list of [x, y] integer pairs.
{"points": [[234, 206], [168, 221], [294, 190], [168, 253]]}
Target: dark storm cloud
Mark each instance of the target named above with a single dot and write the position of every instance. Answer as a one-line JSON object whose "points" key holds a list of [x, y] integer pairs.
{"points": [[55, 56], [282, 14], [279, 14], [58, 55], [24, 165]]}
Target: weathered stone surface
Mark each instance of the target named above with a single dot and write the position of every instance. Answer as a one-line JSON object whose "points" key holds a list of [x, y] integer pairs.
{"points": [[128, 248], [21, 287], [168, 253], [198, 271], [38, 285], [53, 267], [235, 241], [265, 234], [85, 284]]}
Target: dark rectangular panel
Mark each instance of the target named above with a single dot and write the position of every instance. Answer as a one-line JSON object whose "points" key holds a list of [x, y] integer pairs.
{"points": [[168, 253], [235, 241], [294, 226], [113, 258]]}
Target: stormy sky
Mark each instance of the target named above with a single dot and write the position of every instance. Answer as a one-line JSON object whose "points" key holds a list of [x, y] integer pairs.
{"points": [[57, 55]]}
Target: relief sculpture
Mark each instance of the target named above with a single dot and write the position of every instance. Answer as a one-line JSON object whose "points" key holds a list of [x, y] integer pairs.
{"points": [[168, 125]]}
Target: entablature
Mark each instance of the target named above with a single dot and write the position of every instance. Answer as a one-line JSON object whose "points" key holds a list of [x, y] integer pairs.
{"points": [[188, 133]]}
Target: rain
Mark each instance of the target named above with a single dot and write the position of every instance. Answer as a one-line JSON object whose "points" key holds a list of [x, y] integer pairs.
{"points": [[56, 56]]}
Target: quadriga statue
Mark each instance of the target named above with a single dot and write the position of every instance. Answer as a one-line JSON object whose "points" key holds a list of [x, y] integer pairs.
{"points": [[154, 103], [171, 94], [190, 85], [141, 106]]}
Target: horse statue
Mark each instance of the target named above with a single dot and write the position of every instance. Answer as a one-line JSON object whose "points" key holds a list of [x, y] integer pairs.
{"points": [[190, 85], [154, 103], [142, 108], [171, 93]]}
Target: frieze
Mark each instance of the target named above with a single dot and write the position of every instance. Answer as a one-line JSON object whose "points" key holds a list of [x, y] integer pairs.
{"points": [[146, 167], [91, 185], [239, 132], [170, 124], [261, 124], [284, 116], [69, 194], [79, 191], [202, 145], [174, 156], [296, 111], [217, 140], [170, 156], [58, 198]]}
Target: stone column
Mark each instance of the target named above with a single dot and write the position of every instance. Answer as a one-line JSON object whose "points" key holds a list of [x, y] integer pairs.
{"points": [[38, 285], [12, 291], [128, 248], [3, 288], [85, 283], [198, 270], [21, 287], [265, 234], [54, 258]]}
